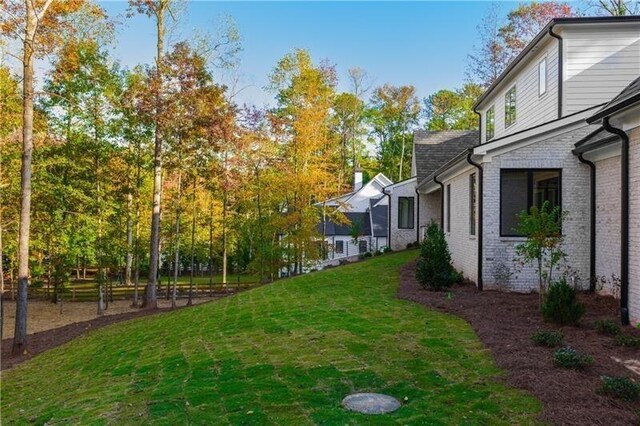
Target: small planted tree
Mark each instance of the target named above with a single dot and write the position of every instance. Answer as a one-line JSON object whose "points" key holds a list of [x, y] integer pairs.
{"points": [[542, 226], [435, 271]]}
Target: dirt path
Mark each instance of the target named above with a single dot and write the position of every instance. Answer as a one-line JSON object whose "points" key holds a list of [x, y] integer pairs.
{"points": [[48, 328], [505, 322]]}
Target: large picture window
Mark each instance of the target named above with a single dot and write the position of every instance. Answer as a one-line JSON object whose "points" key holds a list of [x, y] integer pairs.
{"points": [[510, 107], [472, 204], [490, 123], [405, 212], [520, 189]]}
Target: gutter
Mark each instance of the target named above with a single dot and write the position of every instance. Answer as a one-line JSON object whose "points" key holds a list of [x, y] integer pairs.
{"points": [[480, 215], [384, 191], [624, 225], [557, 36], [435, 179], [592, 225]]}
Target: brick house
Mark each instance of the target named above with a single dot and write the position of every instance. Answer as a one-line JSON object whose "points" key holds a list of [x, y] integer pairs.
{"points": [[546, 123]]}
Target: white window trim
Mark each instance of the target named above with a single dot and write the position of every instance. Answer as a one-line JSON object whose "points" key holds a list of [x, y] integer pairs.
{"points": [[546, 77]]}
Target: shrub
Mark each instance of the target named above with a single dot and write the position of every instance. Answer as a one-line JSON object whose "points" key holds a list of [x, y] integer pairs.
{"points": [[608, 327], [377, 253], [368, 254], [570, 358], [387, 250], [550, 339], [561, 304], [620, 387], [627, 340], [435, 271]]}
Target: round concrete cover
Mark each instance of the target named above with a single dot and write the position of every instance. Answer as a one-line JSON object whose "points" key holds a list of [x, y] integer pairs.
{"points": [[371, 403]]}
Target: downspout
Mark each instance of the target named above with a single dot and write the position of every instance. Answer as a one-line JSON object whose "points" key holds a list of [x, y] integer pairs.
{"points": [[435, 179], [592, 226], [624, 225], [480, 216], [417, 216], [384, 191], [560, 75]]}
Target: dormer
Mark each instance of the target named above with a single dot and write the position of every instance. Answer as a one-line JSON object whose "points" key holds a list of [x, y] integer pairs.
{"points": [[572, 65]]}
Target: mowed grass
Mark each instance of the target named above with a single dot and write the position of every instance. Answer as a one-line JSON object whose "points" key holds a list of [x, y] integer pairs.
{"points": [[282, 354]]}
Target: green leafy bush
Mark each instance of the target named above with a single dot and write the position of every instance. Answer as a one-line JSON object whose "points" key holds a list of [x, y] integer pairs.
{"points": [[368, 254], [550, 339], [377, 253], [627, 340], [608, 327], [435, 271], [387, 250], [570, 358], [561, 304], [620, 387]]}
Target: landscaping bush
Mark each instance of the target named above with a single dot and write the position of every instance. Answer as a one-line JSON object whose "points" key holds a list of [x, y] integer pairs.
{"points": [[387, 250], [570, 358], [608, 327], [561, 304], [549, 339], [435, 271], [377, 253], [620, 387], [368, 254], [627, 340]]}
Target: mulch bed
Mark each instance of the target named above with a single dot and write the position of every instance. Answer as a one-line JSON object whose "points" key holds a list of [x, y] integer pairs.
{"points": [[505, 322]]}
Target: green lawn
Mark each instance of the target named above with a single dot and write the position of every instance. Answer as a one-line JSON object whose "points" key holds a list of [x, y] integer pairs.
{"points": [[282, 354]]}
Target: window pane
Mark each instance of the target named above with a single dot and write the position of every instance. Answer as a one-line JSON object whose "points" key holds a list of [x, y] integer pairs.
{"points": [[513, 199], [490, 123], [405, 212], [339, 246], [510, 107], [546, 187], [542, 77], [362, 246]]}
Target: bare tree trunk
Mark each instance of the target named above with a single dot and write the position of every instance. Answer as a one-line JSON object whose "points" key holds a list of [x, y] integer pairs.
{"points": [[177, 243], [129, 259], [151, 301], [193, 242], [20, 333], [211, 246]]}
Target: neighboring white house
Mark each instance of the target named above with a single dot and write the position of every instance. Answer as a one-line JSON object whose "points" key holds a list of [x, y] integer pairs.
{"points": [[534, 146], [363, 212]]}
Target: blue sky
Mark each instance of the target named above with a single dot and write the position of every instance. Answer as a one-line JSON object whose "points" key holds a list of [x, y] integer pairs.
{"points": [[420, 43]]}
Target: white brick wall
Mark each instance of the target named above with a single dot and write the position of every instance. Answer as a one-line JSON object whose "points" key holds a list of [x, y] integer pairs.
{"points": [[401, 237], [607, 221], [463, 246], [634, 225], [429, 210], [554, 152]]}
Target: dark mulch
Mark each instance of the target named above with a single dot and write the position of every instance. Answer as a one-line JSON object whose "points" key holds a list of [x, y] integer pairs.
{"points": [[505, 322]]}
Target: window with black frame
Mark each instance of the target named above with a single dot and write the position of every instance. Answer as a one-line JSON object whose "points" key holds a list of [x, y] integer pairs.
{"points": [[520, 189], [510, 107], [490, 123], [405, 212], [339, 247]]}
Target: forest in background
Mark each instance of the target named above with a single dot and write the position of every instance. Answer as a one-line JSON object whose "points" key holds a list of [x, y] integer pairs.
{"points": [[133, 171]]}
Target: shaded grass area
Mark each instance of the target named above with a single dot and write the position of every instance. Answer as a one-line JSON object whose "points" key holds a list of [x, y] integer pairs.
{"points": [[285, 353]]}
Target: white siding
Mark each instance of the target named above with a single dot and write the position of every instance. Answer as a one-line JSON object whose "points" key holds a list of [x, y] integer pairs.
{"points": [[531, 109], [599, 62]]}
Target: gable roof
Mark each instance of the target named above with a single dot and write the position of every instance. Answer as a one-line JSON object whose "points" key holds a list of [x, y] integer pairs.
{"points": [[545, 33], [629, 96], [594, 140], [434, 149]]}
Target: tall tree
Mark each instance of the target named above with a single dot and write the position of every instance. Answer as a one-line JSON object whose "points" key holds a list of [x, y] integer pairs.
{"points": [[38, 25], [452, 109], [394, 112], [615, 7], [159, 10]]}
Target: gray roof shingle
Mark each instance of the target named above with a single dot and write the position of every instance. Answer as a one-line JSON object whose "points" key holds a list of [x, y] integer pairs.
{"points": [[629, 96], [332, 228], [434, 149]]}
